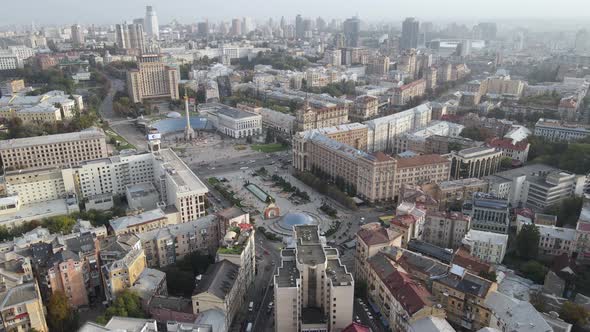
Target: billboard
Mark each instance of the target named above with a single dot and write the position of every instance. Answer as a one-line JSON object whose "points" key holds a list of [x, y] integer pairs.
{"points": [[152, 137]]}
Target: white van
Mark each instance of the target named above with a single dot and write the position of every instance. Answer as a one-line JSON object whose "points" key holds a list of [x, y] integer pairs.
{"points": [[251, 306], [249, 327]]}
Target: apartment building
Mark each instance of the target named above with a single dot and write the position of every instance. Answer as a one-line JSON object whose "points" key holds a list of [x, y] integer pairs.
{"points": [[365, 107], [11, 87], [455, 192], [556, 241], [61, 150], [139, 223], [313, 291], [169, 244], [66, 274], [510, 314], [371, 174], [233, 122], [35, 185], [463, 295], [122, 262], [408, 92], [421, 169], [474, 162], [554, 130], [516, 151], [22, 308], [401, 299], [383, 131], [488, 213], [445, 229], [445, 144], [487, 246], [152, 79], [311, 117], [417, 140], [278, 122], [370, 239], [583, 233], [51, 106]]}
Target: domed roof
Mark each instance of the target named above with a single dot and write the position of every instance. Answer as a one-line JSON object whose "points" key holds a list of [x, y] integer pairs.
{"points": [[173, 115], [297, 219]]}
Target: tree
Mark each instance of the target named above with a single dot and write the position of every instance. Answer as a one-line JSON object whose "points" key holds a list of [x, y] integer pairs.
{"points": [[60, 224], [60, 314], [127, 304], [575, 314], [567, 211], [476, 134], [535, 271], [527, 242], [506, 163], [491, 276]]}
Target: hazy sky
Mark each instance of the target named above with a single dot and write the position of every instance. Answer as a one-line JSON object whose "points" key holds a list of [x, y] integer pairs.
{"points": [[114, 11]]}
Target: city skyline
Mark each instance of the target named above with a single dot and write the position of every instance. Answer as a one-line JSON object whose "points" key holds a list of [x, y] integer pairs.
{"points": [[374, 10]]}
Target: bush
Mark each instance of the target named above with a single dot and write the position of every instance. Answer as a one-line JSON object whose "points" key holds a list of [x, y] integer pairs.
{"points": [[535, 271], [327, 189]]}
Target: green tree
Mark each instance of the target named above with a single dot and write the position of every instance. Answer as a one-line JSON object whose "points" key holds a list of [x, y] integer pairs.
{"points": [[527, 242], [60, 224], [575, 314], [476, 134], [535, 271], [491, 276], [60, 315], [567, 212], [127, 304], [506, 163]]}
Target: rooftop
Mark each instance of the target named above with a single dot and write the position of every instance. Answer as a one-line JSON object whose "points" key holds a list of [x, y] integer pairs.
{"points": [[88, 134], [138, 219], [218, 280], [309, 248], [478, 151], [374, 233], [229, 111], [425, 248], [186, 181], [426, 107], [287, 274], [422, 160], [565, 234], [337, 273], [517, 315], [431, 324], [482, 236]]}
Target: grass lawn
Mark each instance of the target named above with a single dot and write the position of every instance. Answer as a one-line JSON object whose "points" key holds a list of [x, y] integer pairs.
{"points": [[269, 148], [122, 144]]}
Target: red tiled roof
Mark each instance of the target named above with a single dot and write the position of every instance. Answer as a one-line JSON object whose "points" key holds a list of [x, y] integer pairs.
{"points": [[525, 212], [583, 226], [356, 327], [471, 263], [507, 144], [380, 156], [404, 220], [375, 234], [411, 295], [411, 84]]}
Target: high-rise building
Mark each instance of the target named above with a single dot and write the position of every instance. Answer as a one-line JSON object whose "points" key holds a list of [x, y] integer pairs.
{"points": [[352, 29], [152, 28], [152, 79], [313, 289], [77, 35], [410, 31], [236, 27], [485, 30], [299, 28], [203, 28], [130, 36]]}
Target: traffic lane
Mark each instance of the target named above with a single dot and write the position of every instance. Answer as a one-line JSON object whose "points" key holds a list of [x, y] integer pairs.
{"points": [[370, 321]]}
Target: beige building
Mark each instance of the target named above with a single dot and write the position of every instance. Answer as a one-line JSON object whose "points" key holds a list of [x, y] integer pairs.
{"points": [[400, 298], [422, 169], [405, 93], [169, 244], [370, 239], [487, 246], [66, 274], [371, 174], [36, 185], [61, 150], [11, 87], [122, 262], [455, 192], [152, 79], [475, 162], [378, 65], [445, 229], [139, 223], [313, 291], [310, 117], [365, 107], [22, 308]]}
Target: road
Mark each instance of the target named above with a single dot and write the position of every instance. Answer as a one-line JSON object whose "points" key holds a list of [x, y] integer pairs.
{"points": [[106, 107]]}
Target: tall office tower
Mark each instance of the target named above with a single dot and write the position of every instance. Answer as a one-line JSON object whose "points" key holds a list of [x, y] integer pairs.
{"points": [[152, 29], [77, 36], [352, 29], [485, 30], [299, 28], [307, 28], [247, 25], [582, 45], [283, 23], [130, 36], [140, 21], [410, 31], [426, 29], [321, 24], [236, 27], [313, 290], [203, 29], [152, 79]]}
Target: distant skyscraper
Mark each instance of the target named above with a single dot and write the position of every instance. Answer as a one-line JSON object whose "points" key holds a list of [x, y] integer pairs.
{"points": [[152, 29], [130, 36], [203, 28], [77, 36], [320, 23], [299, 28], [410, 31], [283, 23], [236, 27], [352, 29], [582, 45], [486, 31]]}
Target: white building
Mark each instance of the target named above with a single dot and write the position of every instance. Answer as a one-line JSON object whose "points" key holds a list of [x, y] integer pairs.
{"points": [[510, 314], [231, 121], [415, 141], [554, 130], [556, 241], [384, 130], [313, 291], [487, 246], [9, 61]]}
